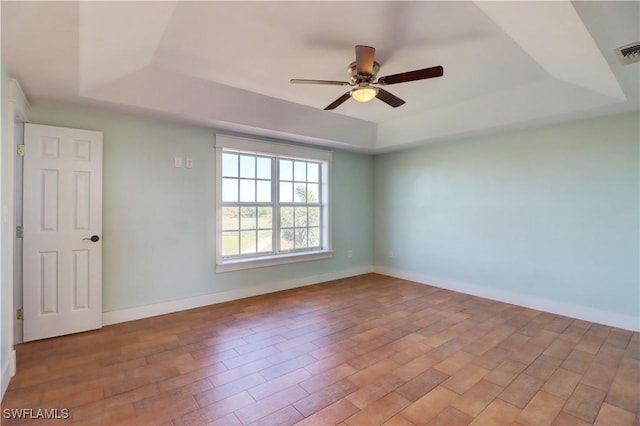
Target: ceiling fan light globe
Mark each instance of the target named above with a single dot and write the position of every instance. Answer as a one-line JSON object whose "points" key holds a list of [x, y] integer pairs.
{"points": [[364, 94]]}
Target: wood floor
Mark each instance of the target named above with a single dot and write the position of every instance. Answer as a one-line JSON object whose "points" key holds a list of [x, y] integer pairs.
{"points": [[367, 350]]}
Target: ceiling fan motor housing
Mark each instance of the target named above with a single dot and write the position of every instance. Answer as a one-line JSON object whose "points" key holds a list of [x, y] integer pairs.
{"points": [[356, 78]]}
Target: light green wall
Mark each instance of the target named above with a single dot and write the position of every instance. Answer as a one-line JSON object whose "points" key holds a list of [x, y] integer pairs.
{"points": [[551, 213], [159, 223]]}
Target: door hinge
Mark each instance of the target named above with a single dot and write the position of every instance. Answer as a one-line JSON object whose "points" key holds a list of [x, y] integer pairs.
{"points": [[20, 314], [19, 231], [21, 150]]}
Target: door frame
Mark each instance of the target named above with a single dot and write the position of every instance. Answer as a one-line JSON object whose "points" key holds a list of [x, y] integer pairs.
{"points": [[17, 112]]}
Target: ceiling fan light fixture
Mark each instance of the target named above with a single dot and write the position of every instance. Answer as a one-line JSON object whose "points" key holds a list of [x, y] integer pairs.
{"points": [[364, 94]]}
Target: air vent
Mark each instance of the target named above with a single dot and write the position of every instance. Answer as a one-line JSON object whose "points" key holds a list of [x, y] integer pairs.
{"points": [[630, 53]]}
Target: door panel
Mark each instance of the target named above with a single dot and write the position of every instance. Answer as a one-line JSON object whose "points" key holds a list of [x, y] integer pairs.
{"points": [[50, 195], [62, 209], [82, 198], [81, 268], [48, 283]]}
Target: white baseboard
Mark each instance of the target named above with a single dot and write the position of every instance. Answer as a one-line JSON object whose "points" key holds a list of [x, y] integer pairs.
{"points": [[8, 371], [139, 312], [560, 308]]}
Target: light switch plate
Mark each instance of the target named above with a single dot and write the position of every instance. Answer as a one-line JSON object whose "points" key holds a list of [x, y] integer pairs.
{"points": [[178, 162]]}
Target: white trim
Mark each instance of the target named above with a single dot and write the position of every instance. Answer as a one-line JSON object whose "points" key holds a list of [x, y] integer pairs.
{"points": [[139, 312], [8, 371], [17, 96], [256, 146], [16, 112], [280, 259], [599, 316], [12, 363]]}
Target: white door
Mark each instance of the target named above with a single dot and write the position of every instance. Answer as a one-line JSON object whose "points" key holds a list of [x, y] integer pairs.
{"points": [[62, 218]]}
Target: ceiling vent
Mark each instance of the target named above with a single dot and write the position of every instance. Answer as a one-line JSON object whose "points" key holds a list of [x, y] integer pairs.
{"points": [[630, 53]]}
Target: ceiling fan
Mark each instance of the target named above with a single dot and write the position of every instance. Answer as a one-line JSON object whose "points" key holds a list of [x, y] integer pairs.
{"points": [[363, 80]]}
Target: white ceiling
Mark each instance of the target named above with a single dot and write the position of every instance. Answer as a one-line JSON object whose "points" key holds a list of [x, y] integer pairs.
{"points": [[227, 65]]}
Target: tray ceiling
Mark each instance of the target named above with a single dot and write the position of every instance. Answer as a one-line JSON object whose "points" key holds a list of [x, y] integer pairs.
{"points": [[227, 65]]}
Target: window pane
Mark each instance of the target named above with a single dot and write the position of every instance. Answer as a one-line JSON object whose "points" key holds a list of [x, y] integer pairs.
{"points": [[312, 193], [247, 242], [265, 218], [264, 191], [314, 237], [300, 193], [265, 242], [229, 190], [313, 172], [286, 170], [301, 238], [264, 168], [300, 171], [247, 166], [248, 218], [314, 216], [301, 216], [286, 192], [229, 243], [248, 190], [286, 217], [230, 165], [286, 239], [230, 218]]}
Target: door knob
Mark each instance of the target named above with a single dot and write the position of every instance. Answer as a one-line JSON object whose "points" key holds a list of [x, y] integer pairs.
{"points": [[93, 238]]}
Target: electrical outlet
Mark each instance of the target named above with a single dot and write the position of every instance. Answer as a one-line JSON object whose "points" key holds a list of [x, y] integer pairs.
{"points": [[390, 254], [189, 163], [349, 254], [19, 314]]}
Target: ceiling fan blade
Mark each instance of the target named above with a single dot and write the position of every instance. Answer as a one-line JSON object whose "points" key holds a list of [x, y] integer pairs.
{"points": [[403, 77], [364, 60], [338, 102], [388, 98], [325, 82]]}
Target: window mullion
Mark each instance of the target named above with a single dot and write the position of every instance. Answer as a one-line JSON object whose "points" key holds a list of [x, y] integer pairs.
{"points": [[239, 251], [275, 202], [320, 204]]}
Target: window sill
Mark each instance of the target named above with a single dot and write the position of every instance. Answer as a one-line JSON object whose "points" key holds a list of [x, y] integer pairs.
{"points": [[239, 264]]}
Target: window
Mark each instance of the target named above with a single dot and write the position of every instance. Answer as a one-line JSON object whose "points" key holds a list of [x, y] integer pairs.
{"points": [[272, 203]]}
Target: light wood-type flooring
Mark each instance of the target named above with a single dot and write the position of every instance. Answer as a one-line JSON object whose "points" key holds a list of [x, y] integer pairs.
{"points": [[367, 350]]}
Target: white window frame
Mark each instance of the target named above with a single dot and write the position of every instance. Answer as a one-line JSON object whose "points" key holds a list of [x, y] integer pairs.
{"points": [[227, 143]]}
